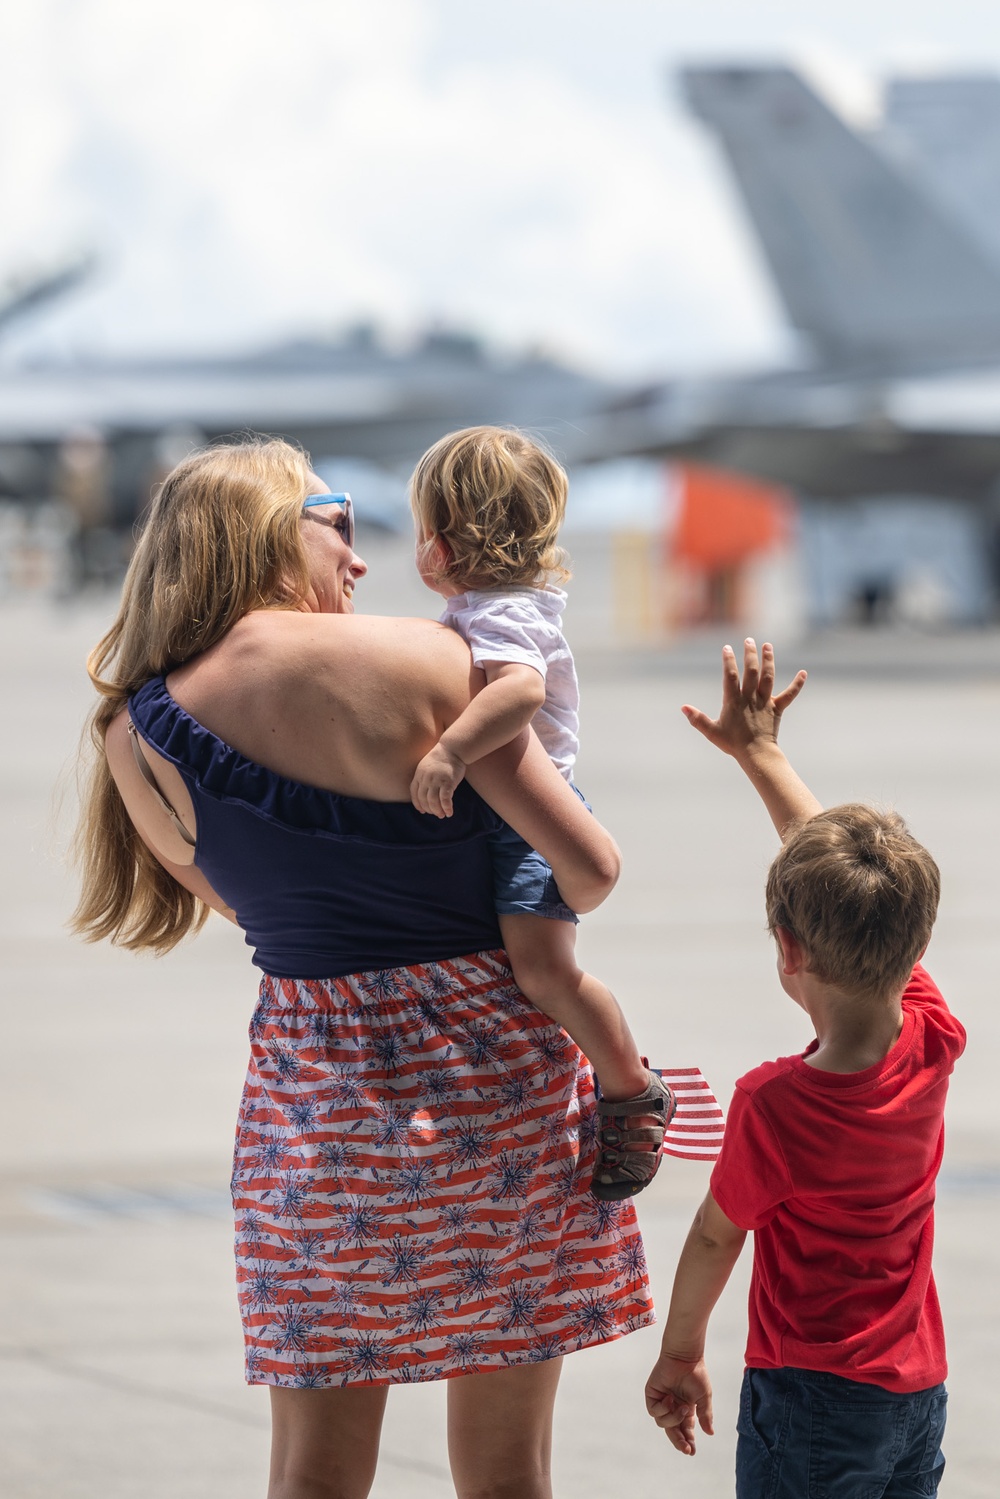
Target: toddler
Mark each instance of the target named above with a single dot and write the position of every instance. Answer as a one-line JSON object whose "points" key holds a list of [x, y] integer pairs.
{"points": [[829, 1158], [488, 503]]}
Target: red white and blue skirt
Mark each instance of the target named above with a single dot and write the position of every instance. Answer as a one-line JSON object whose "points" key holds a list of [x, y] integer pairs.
{"points": [[411, 1183]]}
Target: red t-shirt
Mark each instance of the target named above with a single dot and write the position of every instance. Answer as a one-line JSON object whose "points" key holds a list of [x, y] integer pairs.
{"points": [[834, 1172]]}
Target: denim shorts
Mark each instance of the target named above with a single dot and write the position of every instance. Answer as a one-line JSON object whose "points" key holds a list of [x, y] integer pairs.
{"points": [[523, 882], [804, 1435]]}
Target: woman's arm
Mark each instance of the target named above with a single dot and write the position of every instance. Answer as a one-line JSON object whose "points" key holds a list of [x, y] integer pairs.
{"points": [[521, 783]]}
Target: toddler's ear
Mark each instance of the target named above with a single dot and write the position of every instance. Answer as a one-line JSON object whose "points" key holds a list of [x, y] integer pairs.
{"points": [[433, 553]]}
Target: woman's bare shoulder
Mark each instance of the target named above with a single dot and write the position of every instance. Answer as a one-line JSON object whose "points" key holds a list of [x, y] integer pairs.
{"points": [[280, 628], [428, 656]]}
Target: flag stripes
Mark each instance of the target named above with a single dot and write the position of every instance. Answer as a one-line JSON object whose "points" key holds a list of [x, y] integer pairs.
{"points": [[696, 1131]]}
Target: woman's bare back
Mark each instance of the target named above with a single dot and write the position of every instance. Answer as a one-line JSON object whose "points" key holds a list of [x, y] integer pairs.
{"points": [[340, 701]]}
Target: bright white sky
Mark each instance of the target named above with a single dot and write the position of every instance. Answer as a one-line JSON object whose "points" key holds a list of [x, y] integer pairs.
{"points": [[251, 169]]}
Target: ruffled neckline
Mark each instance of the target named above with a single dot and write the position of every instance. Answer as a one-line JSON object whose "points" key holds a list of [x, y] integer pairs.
{"points": [[227, 775]]}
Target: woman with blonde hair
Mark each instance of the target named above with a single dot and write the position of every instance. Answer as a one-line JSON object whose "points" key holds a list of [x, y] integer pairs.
{"points": [[415, 1140]]}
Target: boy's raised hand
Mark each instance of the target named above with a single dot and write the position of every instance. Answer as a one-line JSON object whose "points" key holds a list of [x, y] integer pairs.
{"points": [[750, 713], [677, 1391]]}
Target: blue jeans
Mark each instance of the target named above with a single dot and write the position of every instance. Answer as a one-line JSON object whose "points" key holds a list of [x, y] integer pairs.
{"points": [[523, 883], [816, 1436]]}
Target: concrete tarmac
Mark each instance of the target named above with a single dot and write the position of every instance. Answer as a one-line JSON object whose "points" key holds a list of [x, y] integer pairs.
{"points": [[120, 1351]]}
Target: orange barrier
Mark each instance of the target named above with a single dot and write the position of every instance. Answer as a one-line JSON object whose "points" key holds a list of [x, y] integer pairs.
{"points": [[722, 522], [725, 518]]}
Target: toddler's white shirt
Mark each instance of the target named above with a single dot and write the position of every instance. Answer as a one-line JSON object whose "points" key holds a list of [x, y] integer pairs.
{"points": [[525, 625]]}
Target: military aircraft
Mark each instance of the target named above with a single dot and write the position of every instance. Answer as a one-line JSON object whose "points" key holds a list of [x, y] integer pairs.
{"points": [[351, 397], [885, 249], [887, 261]]}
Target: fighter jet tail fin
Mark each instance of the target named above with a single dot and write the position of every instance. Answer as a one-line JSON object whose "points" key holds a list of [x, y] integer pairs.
{"points": [[949, 127], [871, 267]]}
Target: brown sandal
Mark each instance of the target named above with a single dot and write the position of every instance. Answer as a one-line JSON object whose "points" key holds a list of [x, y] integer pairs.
{"points": [[627, 1159]]}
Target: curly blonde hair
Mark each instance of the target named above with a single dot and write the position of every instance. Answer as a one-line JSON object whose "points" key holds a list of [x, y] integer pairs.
{"points": [[497, 500]]}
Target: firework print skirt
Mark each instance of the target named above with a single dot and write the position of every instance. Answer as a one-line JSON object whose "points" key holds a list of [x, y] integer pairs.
{"points": [[411, 1183]]}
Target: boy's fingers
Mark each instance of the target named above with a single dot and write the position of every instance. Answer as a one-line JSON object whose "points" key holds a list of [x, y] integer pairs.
{"points": [[790, 693], [751, 669], [765, 686], [704, 1409], [680, 1441], [672, 1412], [700, 721], [730, 673], [681, 1436]]}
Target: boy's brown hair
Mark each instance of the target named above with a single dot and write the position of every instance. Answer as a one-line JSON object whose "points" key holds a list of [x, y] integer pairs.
{"points": [[860, 895], [497, 499]]}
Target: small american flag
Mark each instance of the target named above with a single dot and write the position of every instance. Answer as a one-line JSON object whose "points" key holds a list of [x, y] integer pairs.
{"points": [[696, 1130]]}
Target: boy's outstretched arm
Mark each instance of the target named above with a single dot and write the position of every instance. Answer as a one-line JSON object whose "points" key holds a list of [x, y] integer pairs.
{"points": [[747, 729], [679, 1390]]}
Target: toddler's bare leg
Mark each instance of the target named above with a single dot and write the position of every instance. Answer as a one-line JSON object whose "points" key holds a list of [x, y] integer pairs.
{"points": [[543, 956]]}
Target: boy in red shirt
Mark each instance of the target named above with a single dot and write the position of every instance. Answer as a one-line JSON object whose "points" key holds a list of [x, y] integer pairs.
{"points": [[829, 1158]]}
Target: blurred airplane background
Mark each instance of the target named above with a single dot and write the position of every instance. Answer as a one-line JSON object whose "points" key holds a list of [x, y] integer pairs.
{"points": [[858, 479]]}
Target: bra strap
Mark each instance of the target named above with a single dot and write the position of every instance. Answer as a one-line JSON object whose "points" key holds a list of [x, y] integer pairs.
{"points": [[150, 779]]}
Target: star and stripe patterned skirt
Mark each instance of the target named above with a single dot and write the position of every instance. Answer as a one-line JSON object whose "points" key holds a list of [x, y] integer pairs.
{"points": [[411, 1183]]}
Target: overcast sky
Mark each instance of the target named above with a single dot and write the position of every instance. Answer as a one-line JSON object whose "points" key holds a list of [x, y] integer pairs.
{"points": [[250, 169]]}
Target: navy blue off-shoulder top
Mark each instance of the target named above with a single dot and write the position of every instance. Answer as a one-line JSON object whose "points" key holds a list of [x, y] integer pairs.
{"points": [[324, 885]]}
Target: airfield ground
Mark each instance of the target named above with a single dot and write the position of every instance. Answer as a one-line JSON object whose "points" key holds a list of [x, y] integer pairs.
{"points": [[120, 1373]]}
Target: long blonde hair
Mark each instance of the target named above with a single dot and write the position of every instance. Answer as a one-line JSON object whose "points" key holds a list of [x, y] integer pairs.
{"points": [[222, 538]]}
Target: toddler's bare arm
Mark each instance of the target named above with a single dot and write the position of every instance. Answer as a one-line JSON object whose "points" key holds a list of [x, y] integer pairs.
{"points": [[747, 729], [512, 696]]}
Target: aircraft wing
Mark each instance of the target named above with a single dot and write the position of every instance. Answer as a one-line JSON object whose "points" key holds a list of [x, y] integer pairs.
{"points": [[934, 435], [376, 405]]}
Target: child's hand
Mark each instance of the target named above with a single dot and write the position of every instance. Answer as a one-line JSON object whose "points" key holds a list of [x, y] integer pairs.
{"points": [[749, 713], [434, 780], [676, 1392]]}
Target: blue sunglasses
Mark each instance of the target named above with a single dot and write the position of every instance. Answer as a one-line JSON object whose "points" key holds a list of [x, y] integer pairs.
{"points": [[343, 521]]}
